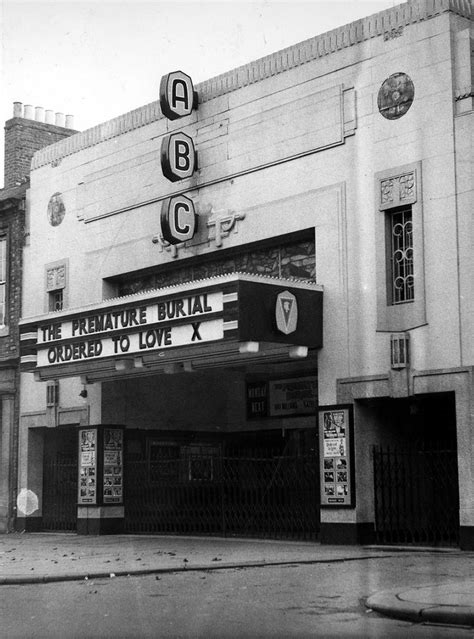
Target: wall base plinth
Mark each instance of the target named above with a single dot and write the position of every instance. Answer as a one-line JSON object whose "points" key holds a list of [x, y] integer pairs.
{"points": [[29, 524], [466, 537], [347, 534], [100, 520]]}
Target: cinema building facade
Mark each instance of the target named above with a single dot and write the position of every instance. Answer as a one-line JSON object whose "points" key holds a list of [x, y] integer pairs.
{"points": [[247, 306]]}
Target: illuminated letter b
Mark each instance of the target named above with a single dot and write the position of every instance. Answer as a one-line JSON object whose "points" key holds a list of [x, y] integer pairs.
{"points": [[178, 157]]}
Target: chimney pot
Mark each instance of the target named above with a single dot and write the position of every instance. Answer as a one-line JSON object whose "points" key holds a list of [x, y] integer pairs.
{"points": [[29, 112], [69, 121], [59, 119], [49, 116], [17, 110], [39, 114]]}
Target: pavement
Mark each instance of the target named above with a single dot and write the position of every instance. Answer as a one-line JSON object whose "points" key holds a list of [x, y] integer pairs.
{"points": [[33, 558]]}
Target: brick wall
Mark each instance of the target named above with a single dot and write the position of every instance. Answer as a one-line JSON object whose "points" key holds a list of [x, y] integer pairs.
{"points": [[12, 226], [23, 137]]}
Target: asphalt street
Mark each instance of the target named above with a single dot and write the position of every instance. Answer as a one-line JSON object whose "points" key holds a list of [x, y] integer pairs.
{"points": [[295, 600]]}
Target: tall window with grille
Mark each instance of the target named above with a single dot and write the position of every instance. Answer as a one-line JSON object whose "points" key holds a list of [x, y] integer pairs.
{"points": [[401, 273], [399, 249], [3, 280]]}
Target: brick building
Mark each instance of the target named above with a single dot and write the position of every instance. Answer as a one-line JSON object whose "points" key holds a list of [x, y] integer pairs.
{"points": [[23, 137], [173, 313]]}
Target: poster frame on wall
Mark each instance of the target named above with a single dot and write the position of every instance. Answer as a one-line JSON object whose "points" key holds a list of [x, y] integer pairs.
{"points": [[88, 467], [100, 477], [336, 446], [113, 465]]}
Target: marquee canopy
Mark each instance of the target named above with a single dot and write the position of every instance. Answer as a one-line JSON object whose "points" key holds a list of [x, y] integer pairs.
{"points": [[221, 321]]}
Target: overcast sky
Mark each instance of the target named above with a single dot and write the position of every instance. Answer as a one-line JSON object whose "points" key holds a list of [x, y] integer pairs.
{"points": [[96, 60]]}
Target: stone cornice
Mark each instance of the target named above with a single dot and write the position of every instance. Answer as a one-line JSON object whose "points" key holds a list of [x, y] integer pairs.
{"points": [[346, 36]]}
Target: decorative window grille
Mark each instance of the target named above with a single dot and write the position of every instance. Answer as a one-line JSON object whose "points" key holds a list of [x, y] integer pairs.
{"points": [[3, 279], [402, 275], [52, 394]]}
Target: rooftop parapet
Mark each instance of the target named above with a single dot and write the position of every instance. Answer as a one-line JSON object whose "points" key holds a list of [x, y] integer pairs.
{"points": [[317, 47]]}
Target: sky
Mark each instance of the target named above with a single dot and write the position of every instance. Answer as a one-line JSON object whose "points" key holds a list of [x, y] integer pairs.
{"points": [[96, 60]]}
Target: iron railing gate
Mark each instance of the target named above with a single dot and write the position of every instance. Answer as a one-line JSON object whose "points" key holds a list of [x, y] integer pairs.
{"points": [[261, 497], [60, 494], [416, 496]]}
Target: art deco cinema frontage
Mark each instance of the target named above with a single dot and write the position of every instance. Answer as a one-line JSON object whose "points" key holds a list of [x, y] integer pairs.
{"points": [[247, 306]]}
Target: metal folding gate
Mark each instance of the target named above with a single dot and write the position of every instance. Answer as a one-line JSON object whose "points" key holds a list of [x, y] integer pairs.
{"points": [[60, 493], [416, 496], [274, 497]]}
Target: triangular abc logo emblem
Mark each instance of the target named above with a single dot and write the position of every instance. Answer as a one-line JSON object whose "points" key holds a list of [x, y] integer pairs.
{"points": [[286, 313]]}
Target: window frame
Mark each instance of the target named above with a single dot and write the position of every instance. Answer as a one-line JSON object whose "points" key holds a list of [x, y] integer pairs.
{"points": [[397, 189], [406, 263], [4, 282], [51, 290], [53, 300]]}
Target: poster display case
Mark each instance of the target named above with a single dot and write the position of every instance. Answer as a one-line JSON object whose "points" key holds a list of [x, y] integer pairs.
{"points": [[336, 445], [87, 466], [100, 466]]}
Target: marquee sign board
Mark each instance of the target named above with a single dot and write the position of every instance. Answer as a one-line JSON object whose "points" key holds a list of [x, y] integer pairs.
{"points": [[134, 330], [157, 327], [178, 219], [177, 95], [178, 156]]}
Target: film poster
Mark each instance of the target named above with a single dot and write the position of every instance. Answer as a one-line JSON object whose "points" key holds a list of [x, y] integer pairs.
{"points": [[335, 433], [113, 466], [87, 466]]}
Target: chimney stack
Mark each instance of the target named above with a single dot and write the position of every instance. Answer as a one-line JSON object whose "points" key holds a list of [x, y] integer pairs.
{"points": [[39, 114], [60, 119], [17, 110], [29, 112], [30, 130]]}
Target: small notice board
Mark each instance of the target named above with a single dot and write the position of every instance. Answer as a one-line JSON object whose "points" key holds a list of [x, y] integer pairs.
{"points": [[336, 445]]}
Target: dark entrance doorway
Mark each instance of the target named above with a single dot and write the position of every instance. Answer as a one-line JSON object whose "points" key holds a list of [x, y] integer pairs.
{"points": [[416, 479], [225, 488], [60, 480]]}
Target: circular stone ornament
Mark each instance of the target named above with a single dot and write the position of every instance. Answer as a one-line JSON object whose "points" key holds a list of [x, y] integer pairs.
{"points": [[56, 210], [395, 96]]}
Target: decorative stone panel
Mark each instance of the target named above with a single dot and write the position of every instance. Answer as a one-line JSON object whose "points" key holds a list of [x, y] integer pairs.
{"points": [[56, 277], [398, 190]]}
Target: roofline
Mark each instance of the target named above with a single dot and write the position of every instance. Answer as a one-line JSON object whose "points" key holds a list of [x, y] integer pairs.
{"points": [[296, 55]]}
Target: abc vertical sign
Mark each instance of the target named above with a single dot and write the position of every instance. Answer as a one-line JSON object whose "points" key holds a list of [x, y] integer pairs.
{"points": [[178, 219], [178, 157], [177, 95]]}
